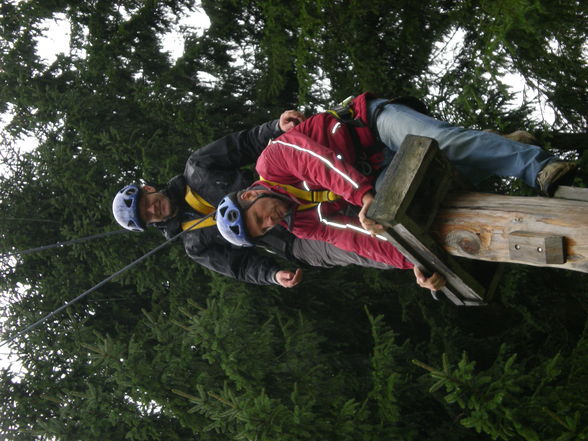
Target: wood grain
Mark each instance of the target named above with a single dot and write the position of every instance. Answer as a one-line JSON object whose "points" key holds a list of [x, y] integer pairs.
{"points": [[492, 218]]}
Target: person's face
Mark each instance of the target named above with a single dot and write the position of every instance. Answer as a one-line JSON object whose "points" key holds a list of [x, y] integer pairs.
{"points": [[264, 214], [154, 206]]}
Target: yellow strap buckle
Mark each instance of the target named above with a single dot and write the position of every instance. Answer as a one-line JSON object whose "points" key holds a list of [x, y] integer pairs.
{"points": [[201, 206], [314, 196]]}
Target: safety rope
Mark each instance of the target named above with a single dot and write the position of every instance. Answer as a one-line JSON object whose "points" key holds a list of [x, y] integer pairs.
{"points": [[102, 283], [26, 219], [62, 244]]}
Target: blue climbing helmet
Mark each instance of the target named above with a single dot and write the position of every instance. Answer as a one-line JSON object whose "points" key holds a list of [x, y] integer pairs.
{"points": [[230, 221], [125, 208]]}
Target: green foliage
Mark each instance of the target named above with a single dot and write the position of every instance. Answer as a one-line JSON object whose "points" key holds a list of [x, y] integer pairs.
{"points": [[171, 351], [510, 401], [542, 41]]}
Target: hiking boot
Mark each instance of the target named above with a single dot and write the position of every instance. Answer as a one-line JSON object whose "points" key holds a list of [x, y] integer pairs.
{"points": [[554, 174], [523, 137]]}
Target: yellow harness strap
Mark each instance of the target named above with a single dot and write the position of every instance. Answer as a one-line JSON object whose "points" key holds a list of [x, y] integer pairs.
{"points": [[195, 201], [312, 196], [342, 114]]}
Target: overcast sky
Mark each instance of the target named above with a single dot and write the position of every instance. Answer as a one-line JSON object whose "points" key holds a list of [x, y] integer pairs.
{"points": [[55, 40]]}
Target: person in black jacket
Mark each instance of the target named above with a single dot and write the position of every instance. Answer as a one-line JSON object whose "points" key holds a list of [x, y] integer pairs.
{"points": [[211, 172]]}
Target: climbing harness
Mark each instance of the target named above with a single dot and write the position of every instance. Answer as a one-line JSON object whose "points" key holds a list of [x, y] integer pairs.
{"points": [[366, 157], [313, 197], [61, 244], [200, 205]]}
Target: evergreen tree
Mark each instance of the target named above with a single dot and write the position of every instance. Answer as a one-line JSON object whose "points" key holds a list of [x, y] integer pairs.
{"points": [[173, 351]]}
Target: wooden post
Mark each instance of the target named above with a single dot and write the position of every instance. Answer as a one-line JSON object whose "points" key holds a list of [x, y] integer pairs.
{"points": [[415, 183], [430, 225], [489, 226]]}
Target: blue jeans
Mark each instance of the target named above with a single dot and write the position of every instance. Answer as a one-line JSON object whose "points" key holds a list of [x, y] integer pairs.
{"points": [[475, 154]]}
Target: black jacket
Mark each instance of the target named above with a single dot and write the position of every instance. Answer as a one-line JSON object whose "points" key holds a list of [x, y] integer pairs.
{"points": [[212, 172]]}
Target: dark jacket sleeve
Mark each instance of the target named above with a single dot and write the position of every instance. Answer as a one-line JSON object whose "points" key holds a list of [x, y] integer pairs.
{"points": [[214, 171], [243, 264], [235, 150]]}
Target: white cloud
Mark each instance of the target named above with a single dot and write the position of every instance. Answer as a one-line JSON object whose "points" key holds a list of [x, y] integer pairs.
{"points": [[443, 59], [173, 40], [55, 39]]}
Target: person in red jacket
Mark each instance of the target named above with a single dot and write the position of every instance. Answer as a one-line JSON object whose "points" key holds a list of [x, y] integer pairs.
{"points": [[211, 172], [298, 162], [310, 176]]}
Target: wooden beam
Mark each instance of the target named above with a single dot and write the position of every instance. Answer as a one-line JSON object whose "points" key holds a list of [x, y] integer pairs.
{"points": [[571, 193], [430, 225], [415, 183], [462, 289], [478, 226]]}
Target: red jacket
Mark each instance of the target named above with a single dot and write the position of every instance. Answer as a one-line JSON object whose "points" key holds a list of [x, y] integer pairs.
{"points": [[319, 154]]}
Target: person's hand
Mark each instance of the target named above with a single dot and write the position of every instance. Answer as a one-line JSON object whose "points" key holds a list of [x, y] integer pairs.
{"points": [[290, 119], [288, 279], [433, 283], [368, 224]]}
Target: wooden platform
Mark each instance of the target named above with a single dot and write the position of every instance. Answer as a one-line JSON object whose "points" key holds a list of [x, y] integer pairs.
{"points": [[414, 186], [430, 222]]}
